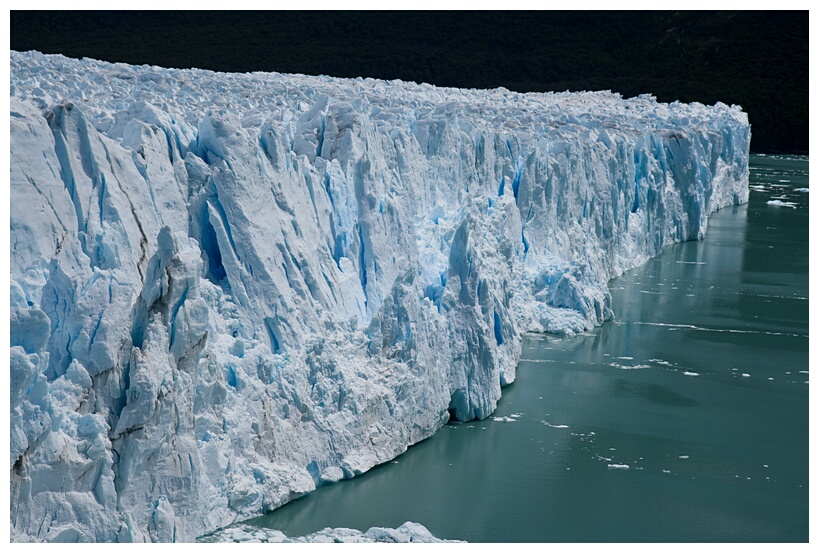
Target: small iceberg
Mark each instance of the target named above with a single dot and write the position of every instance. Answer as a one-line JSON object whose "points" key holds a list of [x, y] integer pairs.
{"points": [[780, 203]]}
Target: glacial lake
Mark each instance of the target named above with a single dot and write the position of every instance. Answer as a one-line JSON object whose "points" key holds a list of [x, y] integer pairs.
{"points": [[684, 419]]}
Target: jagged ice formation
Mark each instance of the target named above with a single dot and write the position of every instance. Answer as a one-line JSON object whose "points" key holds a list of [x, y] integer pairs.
{"points": [[228, 289], [409, 532]]}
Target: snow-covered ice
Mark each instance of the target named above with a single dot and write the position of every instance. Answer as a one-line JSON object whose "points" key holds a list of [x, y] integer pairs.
{"points": [[229, 289], [409, 532]]}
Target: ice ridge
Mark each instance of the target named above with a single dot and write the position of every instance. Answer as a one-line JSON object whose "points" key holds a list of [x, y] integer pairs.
{"points": [[409, 532], [229, 289]]}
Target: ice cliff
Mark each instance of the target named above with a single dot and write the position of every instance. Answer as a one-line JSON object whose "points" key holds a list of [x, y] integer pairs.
{"points": [[228, 289]]}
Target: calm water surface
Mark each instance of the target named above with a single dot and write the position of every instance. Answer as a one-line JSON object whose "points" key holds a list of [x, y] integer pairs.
{"points": [[685, 419]]}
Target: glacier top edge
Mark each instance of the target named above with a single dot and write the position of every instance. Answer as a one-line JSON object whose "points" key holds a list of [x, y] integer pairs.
{"points": [[107, 82]]}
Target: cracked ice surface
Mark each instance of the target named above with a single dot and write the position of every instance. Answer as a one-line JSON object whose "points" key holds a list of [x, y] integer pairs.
{"points": [[228, 289]]}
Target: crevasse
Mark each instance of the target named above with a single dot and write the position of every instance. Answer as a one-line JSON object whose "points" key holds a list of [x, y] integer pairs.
{"points": [[228, 289]]}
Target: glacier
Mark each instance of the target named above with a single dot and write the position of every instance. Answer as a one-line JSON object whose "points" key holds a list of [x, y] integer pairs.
{"points": [[230, 289]]}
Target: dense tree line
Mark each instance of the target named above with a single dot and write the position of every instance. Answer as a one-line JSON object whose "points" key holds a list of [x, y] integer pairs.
{"points": [[758, 60]]}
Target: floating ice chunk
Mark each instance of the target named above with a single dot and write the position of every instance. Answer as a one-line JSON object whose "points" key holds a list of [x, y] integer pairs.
{"points": [[629, 367], [690, 373], [618, 466], [780, 203], [550, 425]]}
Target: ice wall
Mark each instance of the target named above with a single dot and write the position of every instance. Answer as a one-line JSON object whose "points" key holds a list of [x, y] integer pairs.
{"points": [[229, 289]]}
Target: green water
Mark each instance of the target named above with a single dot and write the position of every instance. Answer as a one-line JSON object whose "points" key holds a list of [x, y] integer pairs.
{"points": [[699, 387]]}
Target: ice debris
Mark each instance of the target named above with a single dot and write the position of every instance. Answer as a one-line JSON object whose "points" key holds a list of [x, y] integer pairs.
{"points": [[409, 532], [780, 203]]}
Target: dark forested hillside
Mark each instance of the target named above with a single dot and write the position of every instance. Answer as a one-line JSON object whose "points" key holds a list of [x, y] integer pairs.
{"points": [[756, 59]]}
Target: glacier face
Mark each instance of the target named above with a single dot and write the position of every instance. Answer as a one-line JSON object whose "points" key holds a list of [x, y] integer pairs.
{"points": [[228, 289]]}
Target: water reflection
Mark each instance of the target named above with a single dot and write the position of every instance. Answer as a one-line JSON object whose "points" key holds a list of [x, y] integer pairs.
{"points": [[651, 392]]}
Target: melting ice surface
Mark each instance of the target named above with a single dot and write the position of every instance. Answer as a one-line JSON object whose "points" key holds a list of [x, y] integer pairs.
{"points": [[599, 453], [227, 290]]}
